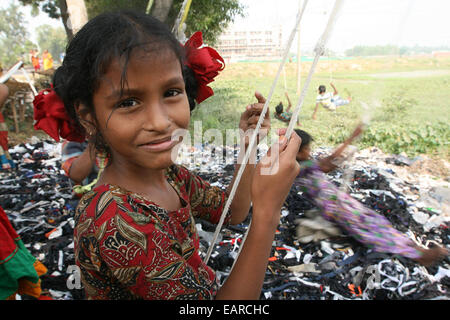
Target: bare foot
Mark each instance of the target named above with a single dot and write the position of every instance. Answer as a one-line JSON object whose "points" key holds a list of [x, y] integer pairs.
{"points": [[431, 256]]}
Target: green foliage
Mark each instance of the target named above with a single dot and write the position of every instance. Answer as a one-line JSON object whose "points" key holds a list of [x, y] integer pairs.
{"points": [[395, 105], [363, 51], [56, 9], [399, 102], [372, 50], [409, 115], [51, 7], [424, 139], [52, 39], [209, 16], [214, 114], [95, 7], [14, 43]]}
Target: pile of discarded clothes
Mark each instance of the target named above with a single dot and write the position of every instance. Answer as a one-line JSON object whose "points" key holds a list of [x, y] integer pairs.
{"points": [[38, 201], [313, 260], [318, 263]]}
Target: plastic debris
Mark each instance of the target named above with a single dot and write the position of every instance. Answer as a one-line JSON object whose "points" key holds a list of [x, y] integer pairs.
{"points": [[329, 265], [333, 266]]}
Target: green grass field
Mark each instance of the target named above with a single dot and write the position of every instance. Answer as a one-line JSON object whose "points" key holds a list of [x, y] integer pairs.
{"points": [[409, 100]]}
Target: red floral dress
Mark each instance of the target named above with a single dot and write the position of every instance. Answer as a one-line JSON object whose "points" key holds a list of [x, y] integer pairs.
{"points": [[127, 247]]}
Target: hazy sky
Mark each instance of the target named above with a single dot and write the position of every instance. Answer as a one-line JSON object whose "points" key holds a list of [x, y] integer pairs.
{"points": [[361, 22]]}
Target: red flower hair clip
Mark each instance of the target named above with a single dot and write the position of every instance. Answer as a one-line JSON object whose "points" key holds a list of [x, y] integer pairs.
{"points": [[205, 62], [51, 117]]}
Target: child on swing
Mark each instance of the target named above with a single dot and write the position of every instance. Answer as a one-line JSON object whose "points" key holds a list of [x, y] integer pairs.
{"points": [[329, 100], [284, 116], [364, 224], [126, 82]]}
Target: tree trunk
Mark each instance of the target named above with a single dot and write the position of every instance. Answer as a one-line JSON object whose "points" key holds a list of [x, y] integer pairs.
{"points": [[161, 9], [65, 19], [73, 15], [77, 14]]}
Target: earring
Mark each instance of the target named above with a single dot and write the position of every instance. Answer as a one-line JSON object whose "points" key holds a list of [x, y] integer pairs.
{"points": [[89, 133]]}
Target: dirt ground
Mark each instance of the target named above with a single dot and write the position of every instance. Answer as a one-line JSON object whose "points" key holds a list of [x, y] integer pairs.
{"points": [[434, 167]]}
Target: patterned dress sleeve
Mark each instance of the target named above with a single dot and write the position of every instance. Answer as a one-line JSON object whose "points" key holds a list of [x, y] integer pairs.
{"points": [[305, 179], [130, 249], [306, 167], [207, 202]]}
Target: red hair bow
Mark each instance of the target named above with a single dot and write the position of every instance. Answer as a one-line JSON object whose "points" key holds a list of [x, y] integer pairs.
{"points": [[51, 117], [205, 62]]}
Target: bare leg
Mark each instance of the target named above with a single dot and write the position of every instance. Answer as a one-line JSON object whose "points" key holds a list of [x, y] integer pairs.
{"points": [[431, 256]]}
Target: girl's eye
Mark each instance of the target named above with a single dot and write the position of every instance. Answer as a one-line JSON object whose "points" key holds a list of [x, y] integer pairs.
{"points": [[127, 103], [172, 93]]}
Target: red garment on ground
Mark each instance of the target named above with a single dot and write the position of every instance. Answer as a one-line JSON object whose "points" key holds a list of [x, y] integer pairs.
{"points": [[7, 237]]}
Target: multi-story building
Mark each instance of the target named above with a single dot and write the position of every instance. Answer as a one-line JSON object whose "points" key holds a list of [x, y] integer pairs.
{"points": [[258, 44]]}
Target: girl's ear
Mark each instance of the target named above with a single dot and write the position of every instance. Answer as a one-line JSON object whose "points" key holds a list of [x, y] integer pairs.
{"points": [[86, 118]]}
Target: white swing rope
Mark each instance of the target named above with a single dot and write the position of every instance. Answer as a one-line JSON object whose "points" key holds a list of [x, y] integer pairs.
{"points": [[366, 119], [35, 93], [348, 172], [320, 49], [254, 136]]}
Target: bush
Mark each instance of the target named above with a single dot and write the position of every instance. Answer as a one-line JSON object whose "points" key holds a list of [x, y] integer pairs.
{"points": [[413, 141]]}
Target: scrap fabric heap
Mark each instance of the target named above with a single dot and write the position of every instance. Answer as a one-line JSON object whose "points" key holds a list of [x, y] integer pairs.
{"points": [[37, 199], [311, 258]]}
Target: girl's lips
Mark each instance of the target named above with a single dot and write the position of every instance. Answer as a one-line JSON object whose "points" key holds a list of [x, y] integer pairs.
{"points": [[161, 145]]}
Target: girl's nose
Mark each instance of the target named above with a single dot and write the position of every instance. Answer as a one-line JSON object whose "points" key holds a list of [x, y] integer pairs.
{"points": [[156, 117]]}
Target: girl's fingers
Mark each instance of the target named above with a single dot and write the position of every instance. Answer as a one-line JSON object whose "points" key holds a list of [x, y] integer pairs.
{"points": [[256, 109], [253, 117], [253, 120], [293, 146], [260, 97], [282, 143], [252, 123], [281, 131]]}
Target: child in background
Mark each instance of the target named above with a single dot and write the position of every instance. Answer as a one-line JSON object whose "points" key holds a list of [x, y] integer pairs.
{"points": [[80, 164], [20, 271], [364, 224], [35, 60], [284, 116], [329, 100], [47, 60], [6, 161], [129, 83]]}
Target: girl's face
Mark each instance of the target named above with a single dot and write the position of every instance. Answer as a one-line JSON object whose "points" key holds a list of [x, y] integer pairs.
{"points": [[305, 153], [138, 125]]}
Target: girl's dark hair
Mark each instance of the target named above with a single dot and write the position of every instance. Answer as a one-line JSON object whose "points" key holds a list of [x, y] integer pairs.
{"points": [[107, 37], [279, 108], [322, 88], [305, 136]]}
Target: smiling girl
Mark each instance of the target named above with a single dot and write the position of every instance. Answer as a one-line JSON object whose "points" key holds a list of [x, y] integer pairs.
{"points": [[126, 84]]}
